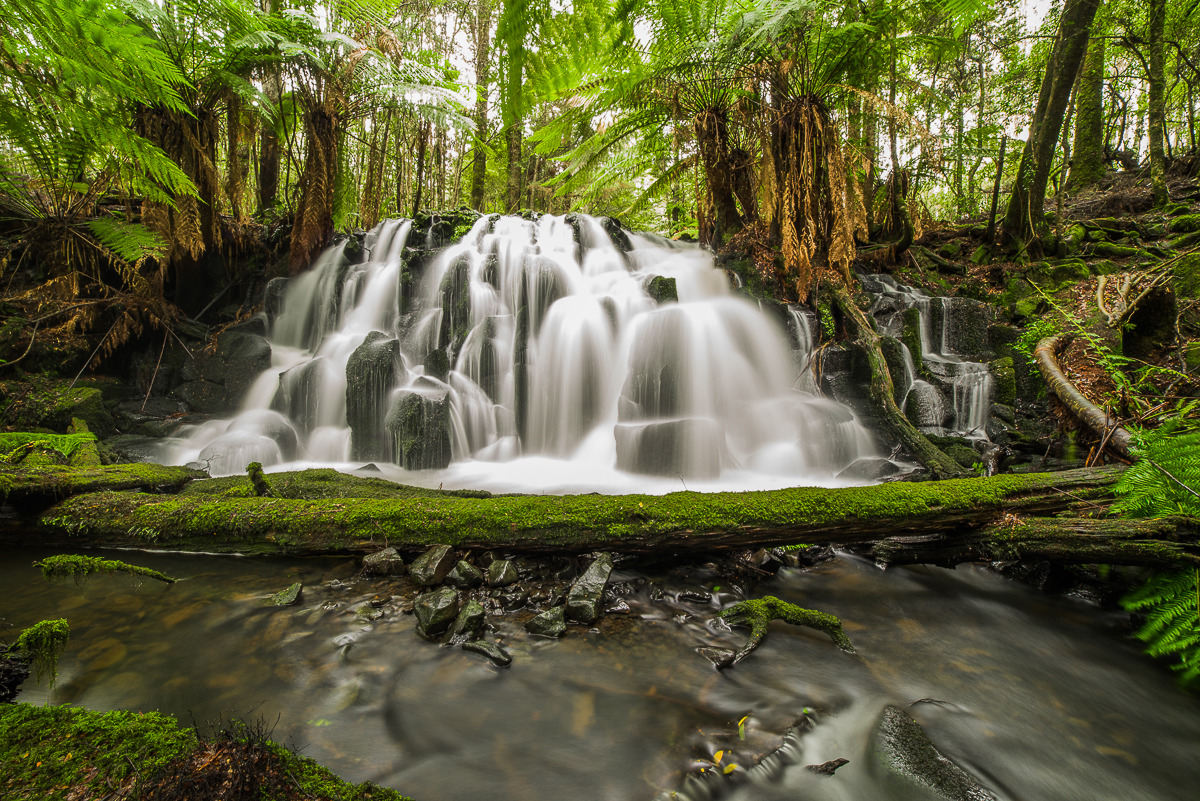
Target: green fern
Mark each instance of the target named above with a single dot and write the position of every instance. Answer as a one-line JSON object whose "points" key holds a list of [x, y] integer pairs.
{"points": [[1171, 601]]}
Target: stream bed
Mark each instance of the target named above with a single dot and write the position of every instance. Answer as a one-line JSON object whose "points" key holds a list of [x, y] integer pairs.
{"points": [[1040, 698]]}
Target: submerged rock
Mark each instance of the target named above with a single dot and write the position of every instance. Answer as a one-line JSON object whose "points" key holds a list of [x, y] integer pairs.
{"points": [[721, 657], [383, 563], [492, 651], [436, 610], [419, 422], [286, 597], [432, 567], [905, 755], [551, 623], [587, 593], [501, 573], [828, 768], [464, 576]]}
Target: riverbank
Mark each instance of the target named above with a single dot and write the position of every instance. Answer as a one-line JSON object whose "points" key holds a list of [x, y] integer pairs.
{"points": [[69, 752]]}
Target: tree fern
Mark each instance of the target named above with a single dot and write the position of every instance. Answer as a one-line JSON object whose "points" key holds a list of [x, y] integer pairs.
{"points": [[1171, 601]]}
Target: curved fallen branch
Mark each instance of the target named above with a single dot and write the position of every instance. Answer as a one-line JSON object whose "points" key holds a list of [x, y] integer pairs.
{"points": [[1103, 424], [757, 616], [81, 568]]}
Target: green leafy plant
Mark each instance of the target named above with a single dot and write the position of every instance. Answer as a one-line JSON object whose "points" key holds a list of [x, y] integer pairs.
{"points": [[41, 645], [1171, 601], [12, 443]]}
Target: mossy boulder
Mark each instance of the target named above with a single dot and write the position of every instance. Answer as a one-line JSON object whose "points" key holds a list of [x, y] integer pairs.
{"points": [[53, 404], [951, 250], [893, 354], [662, 289], [1185, 224], [1004, 379], [911, 766], [373, 370], [1186, 272], [1058, 274], [454, 297], [1104, 267], [419, 422]]}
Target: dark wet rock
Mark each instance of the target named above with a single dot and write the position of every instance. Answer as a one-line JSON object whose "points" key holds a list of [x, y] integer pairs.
{"points": [[486, 558], [688, 448], [370, 467], [695, 596], [662, 289], [492, 651], [905, 755], [464, 576], [372, 371], [721, 657], [273, 298], [433, 566], [766, 560], [469, 622], [586, 594], [14, 670], [419, 421], [501, 573], [871, 468], [617, 608], [383, 563], [551, 623], [514, 598], [379, 600], [827, 768], [436, 610], [286, 597]]}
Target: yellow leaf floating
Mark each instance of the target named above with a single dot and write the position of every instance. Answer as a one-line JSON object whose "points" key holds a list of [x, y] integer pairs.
{"points": [[730, 768], [717, 757]]}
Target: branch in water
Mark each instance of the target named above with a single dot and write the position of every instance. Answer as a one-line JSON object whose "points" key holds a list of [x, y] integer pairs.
{"points": [[82, 567], [758, 614]]}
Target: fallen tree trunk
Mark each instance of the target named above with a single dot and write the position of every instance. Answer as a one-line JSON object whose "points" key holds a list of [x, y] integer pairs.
{"points": [[1103, 424], [1002, 517]]}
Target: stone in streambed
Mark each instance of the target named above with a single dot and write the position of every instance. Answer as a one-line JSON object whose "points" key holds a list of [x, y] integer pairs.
{"points": [[464, 576], [501, 573], [285, 597], [904, 755], [721, 657], [468, 623], [493, 652], [436, 610], [432, 567], [587, 593], [551, 623], [383, 563]]}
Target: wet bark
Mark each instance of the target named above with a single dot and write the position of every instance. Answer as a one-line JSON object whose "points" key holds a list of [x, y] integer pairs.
{"points": [[1157, 103], [314, 212], [1088, 165], [1024, 222], [712, 137], [483, 20]]}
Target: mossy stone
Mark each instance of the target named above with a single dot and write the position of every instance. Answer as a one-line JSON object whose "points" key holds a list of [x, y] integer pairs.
{"points": [[1186, 272], [913, 766], [372, 371], [551, 623], [1004, 378], [1185, 224], [662, 290], [499, 656], [433, 566], [501, 573], [464, 576], [1104, 267], [982, 255], [963, 455], [436, 610], [286, 597], [383, 563], [469, 622], [893, 354], [586, 594]]}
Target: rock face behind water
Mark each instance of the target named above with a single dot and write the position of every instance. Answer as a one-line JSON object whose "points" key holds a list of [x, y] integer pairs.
{"points": [[373, 369], [690, 448], [419, 423], [905, 756], [433, 566], [436, 610], [587, 593]]}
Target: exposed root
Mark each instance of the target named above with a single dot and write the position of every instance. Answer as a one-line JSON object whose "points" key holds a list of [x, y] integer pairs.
{"points": [[758, 614]]}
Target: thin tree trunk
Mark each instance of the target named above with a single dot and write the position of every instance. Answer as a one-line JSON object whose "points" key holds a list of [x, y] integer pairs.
{"points": [[268, 144], [1024, 221], [483, 21], [712, 137], [1157, 101], [1088, 165], [422, 139]]}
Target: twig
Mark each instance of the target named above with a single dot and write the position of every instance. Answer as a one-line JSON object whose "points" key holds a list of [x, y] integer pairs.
{"points": [[154, 377], [97, 350], [180, 341], [1167, 473], [32, 337]]}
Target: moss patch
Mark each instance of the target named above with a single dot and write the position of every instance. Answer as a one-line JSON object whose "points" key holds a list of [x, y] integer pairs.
{"points": [[81, 568], [758, 614], [42, 485], [320, 483], [68, 752], [545, 523]]}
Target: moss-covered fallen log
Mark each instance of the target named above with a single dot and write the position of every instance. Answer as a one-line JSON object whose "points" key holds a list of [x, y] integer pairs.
{"points": [[680, 522], [38, 487]]}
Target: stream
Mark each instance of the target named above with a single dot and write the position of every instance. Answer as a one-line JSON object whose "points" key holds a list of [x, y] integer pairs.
{"points": [[1038, 697]]}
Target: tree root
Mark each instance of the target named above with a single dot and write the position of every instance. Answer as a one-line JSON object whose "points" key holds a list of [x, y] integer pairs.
{"points": [[758, 614], [1103, 424]]}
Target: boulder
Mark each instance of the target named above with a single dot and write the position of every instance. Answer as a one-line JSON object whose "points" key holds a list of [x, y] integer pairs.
{"points": [[419, 422], [432, 567], [501, 573], [908, 761], [464, 576], [383, 563], [436, 610], [662, 290], [372, 371], [690, 448], [469, 622], [286, 597], [870, 468], [273, 298], [587, 593], [551, 623]]}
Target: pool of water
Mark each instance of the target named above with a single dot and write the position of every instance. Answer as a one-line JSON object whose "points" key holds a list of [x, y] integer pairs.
{"points": [[1038, 697]]}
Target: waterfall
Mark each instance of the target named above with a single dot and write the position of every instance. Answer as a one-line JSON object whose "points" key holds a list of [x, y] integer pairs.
{"points": [[968, 383], [532, 356]]}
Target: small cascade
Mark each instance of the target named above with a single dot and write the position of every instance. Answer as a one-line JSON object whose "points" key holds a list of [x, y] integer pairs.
{"points": [[960, 404], [530, 355]]}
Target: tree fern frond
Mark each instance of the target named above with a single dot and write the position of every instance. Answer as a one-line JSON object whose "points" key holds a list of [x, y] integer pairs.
{"points": [[1171, 602]]}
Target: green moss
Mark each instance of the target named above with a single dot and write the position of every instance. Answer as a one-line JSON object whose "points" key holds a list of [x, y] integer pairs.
{"points": [[662, 289], [1186, 272], [195, 522], [23, 485], [254, 471], [41, 645], [61, 752], [320, 483], [1004, 377], [81, 568], [14, 445], [758, 614], [1185, 224], [41, 402]]}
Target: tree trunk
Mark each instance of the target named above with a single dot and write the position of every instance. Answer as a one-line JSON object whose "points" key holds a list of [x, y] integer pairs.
{"points": [[882, 393], [314, 212], [742, 166], [712, 138], [422, 140], [268, 143], [237, 157], [1088, 165], [1024, 222], [513, 195], [483, 22], [1158, 103]]}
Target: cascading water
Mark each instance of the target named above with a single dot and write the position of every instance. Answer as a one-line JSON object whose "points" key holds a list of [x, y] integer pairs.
{"points": [[532, 356], [969, 383]]}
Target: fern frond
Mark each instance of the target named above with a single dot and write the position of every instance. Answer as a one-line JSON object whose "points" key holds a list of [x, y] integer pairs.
{"points": [[1171, 601]]}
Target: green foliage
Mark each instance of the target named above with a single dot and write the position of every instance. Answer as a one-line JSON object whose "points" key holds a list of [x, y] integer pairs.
{"points": [[81, 568], [1171, 601], [42, 644], [12, 444], [1039, 328], [1166, 478]]}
